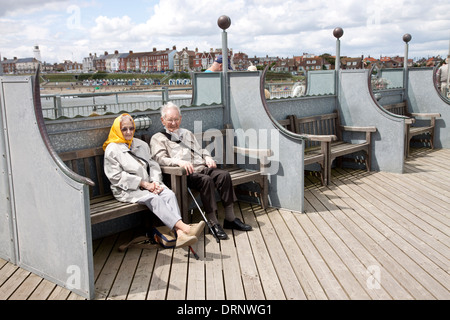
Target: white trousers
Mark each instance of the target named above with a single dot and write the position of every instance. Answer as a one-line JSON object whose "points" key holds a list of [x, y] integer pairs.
{"points": [[164, 206]]}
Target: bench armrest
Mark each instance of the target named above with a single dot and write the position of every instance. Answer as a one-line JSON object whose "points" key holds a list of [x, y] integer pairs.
{"points": [[426, 115], [255, 153], [360, 129], [318, 137], [177, 171]]}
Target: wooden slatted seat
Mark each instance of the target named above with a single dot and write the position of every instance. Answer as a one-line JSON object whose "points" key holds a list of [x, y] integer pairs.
{"points": [[239, 176], [103, 205], [324, 141], [413, 130]]}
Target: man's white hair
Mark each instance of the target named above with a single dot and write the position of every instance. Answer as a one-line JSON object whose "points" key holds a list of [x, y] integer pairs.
{"points": [[167, 106]]}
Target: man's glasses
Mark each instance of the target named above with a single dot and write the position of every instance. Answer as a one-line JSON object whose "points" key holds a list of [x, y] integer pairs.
{"points": [[172, 120]]}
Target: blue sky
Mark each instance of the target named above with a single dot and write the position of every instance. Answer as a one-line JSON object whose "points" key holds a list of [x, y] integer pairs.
{"points": [[71, 29]]}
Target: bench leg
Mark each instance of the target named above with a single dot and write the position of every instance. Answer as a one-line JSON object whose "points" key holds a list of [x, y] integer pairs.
{"points": [[264, 195], [432, 138]]}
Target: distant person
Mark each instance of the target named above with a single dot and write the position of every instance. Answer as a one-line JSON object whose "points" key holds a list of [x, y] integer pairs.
{"points": [[175, 146], [217, 65], [135, 177], [442, 76]]}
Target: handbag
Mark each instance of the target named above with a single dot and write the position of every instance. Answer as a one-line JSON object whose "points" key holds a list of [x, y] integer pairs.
{"points": [[164, 236]]}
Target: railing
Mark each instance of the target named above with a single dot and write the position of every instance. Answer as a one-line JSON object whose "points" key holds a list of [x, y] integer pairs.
{"points": [[285, 89], [55, 106]]}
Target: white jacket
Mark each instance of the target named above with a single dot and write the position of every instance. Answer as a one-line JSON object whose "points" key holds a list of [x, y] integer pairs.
{"points": [[125, 172]]}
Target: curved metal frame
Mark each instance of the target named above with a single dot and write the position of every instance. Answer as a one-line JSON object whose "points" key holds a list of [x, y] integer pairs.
{"points": [[46, 139], [266, 108], [445, 99], [369, 84]]}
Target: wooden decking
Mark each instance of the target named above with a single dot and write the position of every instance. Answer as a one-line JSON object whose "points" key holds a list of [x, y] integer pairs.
{"points": [[365, 236]]}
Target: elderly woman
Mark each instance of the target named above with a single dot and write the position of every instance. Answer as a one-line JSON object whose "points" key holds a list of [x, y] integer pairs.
{"points": [[135, 177]]}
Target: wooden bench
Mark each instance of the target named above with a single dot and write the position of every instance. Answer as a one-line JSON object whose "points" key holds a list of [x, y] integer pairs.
{"points": [[239, 176], [103, 205], [324, 140], [411, 130]]}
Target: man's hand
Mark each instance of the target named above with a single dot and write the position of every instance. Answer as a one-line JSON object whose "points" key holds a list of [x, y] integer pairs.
{"points": [[187, 166], [210, 163]]}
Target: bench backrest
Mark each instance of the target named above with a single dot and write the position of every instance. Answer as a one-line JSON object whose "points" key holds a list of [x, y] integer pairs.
{"points": [[397, 108], [325, 124], [89, 163]]}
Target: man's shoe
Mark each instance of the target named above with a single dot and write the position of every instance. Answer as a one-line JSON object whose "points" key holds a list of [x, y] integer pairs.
{"points": [[185, 240], [196, 228], [236, 224], [219, 232]]}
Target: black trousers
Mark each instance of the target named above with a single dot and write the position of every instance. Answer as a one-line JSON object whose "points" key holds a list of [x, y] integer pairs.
{"points": [[207, 181]]}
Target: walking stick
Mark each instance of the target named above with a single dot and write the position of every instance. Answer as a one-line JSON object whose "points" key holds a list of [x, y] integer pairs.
{"points": [[204, 217]]}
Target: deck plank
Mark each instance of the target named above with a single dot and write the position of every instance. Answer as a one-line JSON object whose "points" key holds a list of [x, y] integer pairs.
{"points": [[273, 290], [196, 278]]}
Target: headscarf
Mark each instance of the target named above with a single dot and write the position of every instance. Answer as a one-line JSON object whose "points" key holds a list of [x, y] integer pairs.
{"points": [[115, 134]]}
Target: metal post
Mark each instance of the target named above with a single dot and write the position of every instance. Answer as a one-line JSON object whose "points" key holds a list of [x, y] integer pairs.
{"points": [[406, 39], [224, 23], [448, 71], [338, 33], [58, 106]]}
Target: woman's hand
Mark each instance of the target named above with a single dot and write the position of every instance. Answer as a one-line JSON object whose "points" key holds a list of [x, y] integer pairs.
{"points": [[158, 188], [153, 187]]}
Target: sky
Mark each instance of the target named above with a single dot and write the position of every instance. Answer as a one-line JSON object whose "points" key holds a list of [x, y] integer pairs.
{"points": [[72, 29]]}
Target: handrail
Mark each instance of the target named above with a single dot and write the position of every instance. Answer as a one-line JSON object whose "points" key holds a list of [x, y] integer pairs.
{"points": [[110, 93], [46, 139], [278, 126]]}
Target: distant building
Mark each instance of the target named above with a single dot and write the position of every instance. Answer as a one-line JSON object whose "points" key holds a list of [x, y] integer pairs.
{"points": [[352, 63], [9, 65], [285, 65], [88, 63], [183, 61], [26, 65], [240, 61]]}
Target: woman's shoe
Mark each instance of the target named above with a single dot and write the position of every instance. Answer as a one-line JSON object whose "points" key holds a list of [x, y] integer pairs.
{"points": [[196, 228], [185, 240]]}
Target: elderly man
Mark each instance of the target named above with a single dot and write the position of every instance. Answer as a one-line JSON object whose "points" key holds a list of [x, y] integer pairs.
{"points": [[217, 65], [176, 146]]}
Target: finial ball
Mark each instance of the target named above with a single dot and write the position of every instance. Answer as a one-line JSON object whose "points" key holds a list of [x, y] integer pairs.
{"points": [[224, 22], [338, 32], [407, 37]]}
